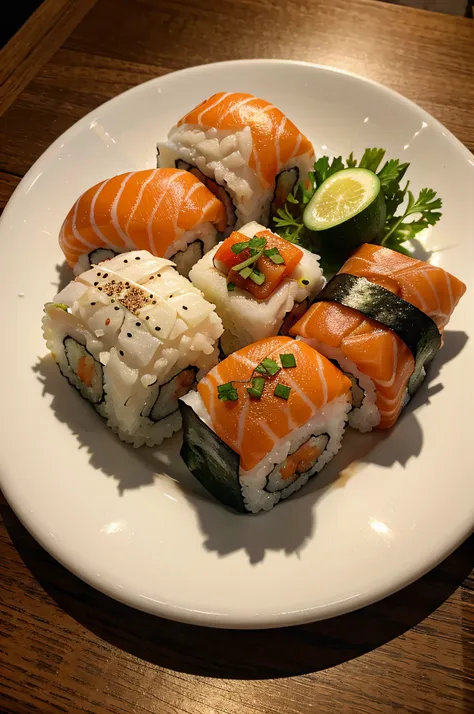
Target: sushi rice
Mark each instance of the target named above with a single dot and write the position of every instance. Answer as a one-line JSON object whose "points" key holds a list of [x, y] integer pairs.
{"points": [[132, 335]]}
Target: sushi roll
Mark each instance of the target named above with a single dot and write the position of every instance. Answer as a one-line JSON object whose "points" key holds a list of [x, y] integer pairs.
{"points": [[263, 422], [260, 283], [132, 335], [244, 149], [165, 211], [380, 319]]}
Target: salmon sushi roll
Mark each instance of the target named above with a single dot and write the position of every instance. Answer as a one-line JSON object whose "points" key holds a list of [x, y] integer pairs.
{"points": [[380, 319], [260, 283], [167, 212], [264, 421], [244, 149], [132, 335]]}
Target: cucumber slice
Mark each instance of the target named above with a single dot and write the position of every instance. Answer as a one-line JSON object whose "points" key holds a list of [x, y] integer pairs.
{"points": [[348, 208]]}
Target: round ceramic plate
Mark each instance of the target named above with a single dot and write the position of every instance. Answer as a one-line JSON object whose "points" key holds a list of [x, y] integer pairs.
{"points": [[134, 523]]}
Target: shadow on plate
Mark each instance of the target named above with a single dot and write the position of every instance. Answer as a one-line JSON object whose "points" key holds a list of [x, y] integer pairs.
{"points": [[286, 528], [241, 654]]}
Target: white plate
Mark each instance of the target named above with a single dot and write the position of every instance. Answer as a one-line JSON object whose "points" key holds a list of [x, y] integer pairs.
{"points": [[135, 524]]}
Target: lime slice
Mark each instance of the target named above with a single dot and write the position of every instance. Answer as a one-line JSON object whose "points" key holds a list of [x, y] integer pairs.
{"points": [[341, 197]]}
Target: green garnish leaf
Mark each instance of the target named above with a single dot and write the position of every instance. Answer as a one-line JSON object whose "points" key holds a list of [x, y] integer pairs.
{"points": [[371, 159], [231, 287], [282, 391], [274, 255], [250, 261], [61, 305], [256, 276], [400, 202], [227, 392], [256, 390], [288, 360], [258, 243], [268, 366], [246, 272], [239, 247]]}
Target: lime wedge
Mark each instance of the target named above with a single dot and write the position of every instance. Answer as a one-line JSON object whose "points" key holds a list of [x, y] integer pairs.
{"points": [[341, 197]]}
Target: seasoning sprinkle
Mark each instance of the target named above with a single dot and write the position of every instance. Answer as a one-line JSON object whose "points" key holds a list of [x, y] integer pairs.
{"points": [[282, 391], [288, 361]]}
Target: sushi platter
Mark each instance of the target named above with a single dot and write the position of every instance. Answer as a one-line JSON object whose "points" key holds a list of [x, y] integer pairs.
{"points": [[244, 356]]}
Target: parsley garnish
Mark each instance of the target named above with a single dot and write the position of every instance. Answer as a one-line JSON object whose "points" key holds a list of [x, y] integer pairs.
{"points": [[227, 392], [423, 211]]}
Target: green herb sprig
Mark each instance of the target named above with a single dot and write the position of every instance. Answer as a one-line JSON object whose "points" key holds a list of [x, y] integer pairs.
{"points": [[422, 210]]}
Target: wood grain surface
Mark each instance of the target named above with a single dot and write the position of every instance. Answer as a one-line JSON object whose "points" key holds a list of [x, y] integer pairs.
{"points": [[66, 648]]}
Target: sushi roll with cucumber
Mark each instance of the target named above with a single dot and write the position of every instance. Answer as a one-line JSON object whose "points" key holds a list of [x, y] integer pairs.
{"points": [[260, 283], [132, 335], [381, 319], [264, 421], [244, 149], [167, 212]]}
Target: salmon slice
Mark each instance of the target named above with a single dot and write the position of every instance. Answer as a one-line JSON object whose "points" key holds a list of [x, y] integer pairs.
{"points": [[375, 350], [252, 427], [432, 290], [144, 210], [275, 139]]}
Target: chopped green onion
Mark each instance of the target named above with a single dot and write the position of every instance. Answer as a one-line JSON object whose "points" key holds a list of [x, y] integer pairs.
{"points": [[256, 389], [230, 287], [258, 243], [282, 391], [268, 366], [250, 261], [288, 361], [275, 256], [61, 306], [239, 247], [256, 276], [227, 392], [246, 272]]}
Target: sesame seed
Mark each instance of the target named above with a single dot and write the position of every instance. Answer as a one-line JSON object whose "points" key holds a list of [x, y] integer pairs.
{"points": [[159, 275], [96, 283], [121, 353], [113, 300], [99, 289], [125, 261], [116, 307], [106, 275], [138, 324], [92, 303], [137, 257], [305, 282], [127, 285], [147, 317], [157, 329], [99, 274], [185, 307], [129, 334], [151, 296], [153, 302]]}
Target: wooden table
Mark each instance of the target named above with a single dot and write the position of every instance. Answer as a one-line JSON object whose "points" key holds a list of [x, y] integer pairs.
{"points": [[65, 647]]}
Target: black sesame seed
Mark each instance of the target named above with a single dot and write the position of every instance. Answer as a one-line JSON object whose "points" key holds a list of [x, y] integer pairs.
{"points": [[113, 282], [185, 307], [99, 289], [137, 257], [129, 334], [138, 324], [157, 329], [159, 275], [116, 307], [305, 282], [112, 300], [106, 275], [96, 283], [153, 302], [171, 296], [121, 353], [151, 296], [147, 317], [92, 303], [125, 261], [127, 285], [99, 274]]}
